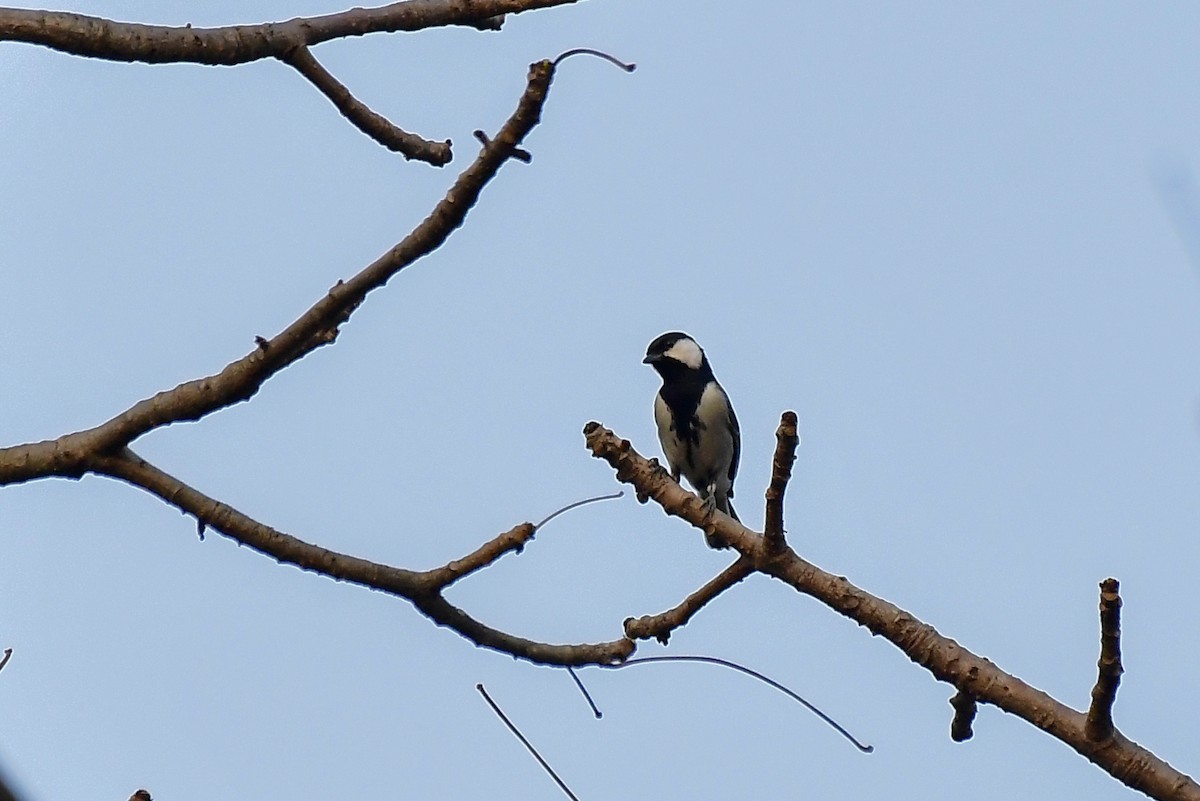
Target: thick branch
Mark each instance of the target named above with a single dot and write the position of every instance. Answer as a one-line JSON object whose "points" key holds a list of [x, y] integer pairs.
{"points": [[786, 441], [661, 625], [372, 124], [71, 454], [94, 37], [1104, 694], [1124, 759], [423, 589]]}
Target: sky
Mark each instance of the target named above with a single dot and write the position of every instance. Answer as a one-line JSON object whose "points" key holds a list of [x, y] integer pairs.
{"points": [[952, 237]]}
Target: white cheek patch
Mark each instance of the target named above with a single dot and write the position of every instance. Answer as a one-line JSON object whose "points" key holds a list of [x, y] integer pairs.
{"points": [[687, 351]]}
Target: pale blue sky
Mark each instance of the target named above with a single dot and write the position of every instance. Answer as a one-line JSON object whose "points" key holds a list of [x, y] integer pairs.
{"points": [[932, 229]]}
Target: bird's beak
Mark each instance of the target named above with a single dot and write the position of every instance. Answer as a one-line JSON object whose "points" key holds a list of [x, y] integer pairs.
{"points": [[650, 359]]}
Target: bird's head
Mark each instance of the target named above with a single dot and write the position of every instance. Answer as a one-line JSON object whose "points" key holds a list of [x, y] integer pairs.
{"points": [[674, 352]]}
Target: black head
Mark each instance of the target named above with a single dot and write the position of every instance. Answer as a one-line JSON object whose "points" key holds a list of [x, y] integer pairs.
{"points": [[676, 353]]}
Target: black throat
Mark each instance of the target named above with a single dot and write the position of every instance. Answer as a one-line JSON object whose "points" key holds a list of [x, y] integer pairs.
{"points": [[682, 388]]}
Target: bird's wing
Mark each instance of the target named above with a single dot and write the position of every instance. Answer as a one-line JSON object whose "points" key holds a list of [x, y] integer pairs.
{"points": [[736, 431]]}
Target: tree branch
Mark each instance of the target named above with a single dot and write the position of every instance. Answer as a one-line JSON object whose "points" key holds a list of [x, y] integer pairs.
{"points": [[1128, 762], [71, 455], [511, 541], [661, 626], [421, 588], [95, 37], [1104, 694], [369, 122], [786, 441]]}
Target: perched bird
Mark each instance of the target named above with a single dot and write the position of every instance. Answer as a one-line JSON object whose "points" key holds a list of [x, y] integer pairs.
{"points": [[696, 424]]}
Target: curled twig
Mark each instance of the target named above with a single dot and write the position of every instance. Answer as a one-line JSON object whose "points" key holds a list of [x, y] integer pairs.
{"points": [[587, 51]]}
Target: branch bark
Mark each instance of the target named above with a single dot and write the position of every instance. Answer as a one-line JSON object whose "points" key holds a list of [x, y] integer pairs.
{"points": [[786, 442], [1127, 761], [660, 626], [95, 37], [1104, 694]]}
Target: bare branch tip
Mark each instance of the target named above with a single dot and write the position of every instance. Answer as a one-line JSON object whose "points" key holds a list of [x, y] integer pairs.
{"points": [[1099, 725]]}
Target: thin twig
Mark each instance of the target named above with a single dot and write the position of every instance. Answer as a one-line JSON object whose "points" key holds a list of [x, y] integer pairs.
{"points": [[614, 496], [371, 123], [661, 625], [1099, 724], [786, 441], [7, 656], [529, 746], [586, 695], [712, 660]]}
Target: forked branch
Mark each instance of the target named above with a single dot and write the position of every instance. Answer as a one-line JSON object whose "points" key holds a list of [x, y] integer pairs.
{"points": [[104, 450], [422, 588], [1128, 762], [71, 455]]}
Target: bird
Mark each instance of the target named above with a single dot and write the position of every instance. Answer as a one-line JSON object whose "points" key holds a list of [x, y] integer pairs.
{"points": [[696, 425]]}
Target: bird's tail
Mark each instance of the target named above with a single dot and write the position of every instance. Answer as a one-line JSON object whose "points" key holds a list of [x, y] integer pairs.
{"points": [[729, 510]]}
